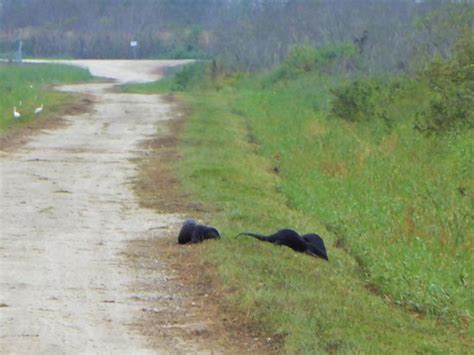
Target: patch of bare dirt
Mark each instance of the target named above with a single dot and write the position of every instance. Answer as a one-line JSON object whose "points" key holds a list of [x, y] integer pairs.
{"points": [[157, 185], [194, 311]]}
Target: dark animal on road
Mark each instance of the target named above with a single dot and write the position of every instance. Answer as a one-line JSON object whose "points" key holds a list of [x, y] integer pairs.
{"points": [[193, 232], [290, 238]]}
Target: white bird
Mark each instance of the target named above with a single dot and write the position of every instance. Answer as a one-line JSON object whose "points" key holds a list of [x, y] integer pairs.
{"points": [[16, 114], [39, 110]]}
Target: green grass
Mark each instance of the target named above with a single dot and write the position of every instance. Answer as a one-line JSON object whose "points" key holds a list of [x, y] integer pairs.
{"points": [[27, 86], [392, 197], [387, 202]]}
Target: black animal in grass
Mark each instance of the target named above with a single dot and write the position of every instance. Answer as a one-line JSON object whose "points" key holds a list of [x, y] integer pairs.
{"points": [[193, 232], [309, 243], [317, 245]]}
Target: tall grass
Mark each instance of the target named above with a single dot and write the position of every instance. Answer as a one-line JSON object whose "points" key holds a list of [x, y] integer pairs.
{"points": [[28, 86]]}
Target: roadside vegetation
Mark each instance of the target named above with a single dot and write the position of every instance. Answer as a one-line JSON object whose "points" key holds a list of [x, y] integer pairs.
{"points": [[27, 86], [380, 166]]}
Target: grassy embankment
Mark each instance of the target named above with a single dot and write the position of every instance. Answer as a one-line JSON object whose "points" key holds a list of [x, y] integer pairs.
{"points": [[393, 205], [27, 86]]}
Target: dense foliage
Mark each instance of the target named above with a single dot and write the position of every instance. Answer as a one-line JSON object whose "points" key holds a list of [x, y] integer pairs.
{"points": [[447, 103]]}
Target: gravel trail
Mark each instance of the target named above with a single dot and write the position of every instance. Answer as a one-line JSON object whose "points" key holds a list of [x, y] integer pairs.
{"points": [[67, 211]]}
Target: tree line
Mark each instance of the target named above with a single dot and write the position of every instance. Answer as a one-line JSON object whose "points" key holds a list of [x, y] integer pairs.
{"points": [[386, 35]]}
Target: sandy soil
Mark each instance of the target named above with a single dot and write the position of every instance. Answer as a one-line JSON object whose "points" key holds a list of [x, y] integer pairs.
{"points": [[68, 212]]}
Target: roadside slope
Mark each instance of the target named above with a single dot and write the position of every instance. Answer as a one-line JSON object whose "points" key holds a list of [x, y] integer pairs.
{"points": [[240, 148]]}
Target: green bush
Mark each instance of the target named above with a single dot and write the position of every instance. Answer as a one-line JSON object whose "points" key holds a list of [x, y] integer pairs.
{"points": [[189, 76], [303, 59], [446, 95], [452, 91], [362, 100]]}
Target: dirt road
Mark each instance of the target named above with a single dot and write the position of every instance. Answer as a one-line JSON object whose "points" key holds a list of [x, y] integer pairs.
{"points": [[67, 211]]}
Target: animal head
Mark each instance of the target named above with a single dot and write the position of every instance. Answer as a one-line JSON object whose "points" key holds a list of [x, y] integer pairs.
{"points": [[315, 245], [189, 222], [316, 251]]}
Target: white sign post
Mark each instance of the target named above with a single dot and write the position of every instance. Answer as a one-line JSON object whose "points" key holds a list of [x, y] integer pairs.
{"points": [[134, 45], [19, 55]]}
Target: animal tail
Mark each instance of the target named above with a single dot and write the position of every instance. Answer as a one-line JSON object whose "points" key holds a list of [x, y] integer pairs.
{"points": [[255, 235]]}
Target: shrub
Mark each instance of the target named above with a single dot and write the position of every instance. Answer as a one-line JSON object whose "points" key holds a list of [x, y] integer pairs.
{"points": [[303, 58], [189, 76], [452, 90], [361, 100]]}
